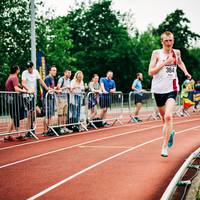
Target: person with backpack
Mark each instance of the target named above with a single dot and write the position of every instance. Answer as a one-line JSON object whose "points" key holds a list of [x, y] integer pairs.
{"points": [[64, 84]]}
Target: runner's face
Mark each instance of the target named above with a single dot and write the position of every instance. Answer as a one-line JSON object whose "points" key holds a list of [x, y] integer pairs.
{"points": [[167, 42]]}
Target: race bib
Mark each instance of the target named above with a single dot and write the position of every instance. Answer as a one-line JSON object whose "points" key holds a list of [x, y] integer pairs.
{"points": [[170, 71]]}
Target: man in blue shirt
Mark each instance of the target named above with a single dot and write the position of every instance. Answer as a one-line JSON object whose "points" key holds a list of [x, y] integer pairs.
{"points": [[49, 100], [107, 86], [137, 87]]}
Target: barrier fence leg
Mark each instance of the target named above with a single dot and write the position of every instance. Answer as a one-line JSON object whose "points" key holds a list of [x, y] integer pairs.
{"points": [[34, 135]]}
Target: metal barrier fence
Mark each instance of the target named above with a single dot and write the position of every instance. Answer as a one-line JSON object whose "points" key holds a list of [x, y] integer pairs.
{"points": [[72, 110], [103, 107], [17, 113], [181, 110], [148, 109], [64, 112]]}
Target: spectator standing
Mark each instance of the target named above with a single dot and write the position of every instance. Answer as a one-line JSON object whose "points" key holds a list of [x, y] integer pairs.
{"points": [[77, 87], [29, 82], [138, 95], [93, 100], [64, 84], [14, 102], [108, 87], [49, 99]]}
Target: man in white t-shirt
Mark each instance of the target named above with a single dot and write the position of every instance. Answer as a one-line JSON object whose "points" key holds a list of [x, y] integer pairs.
{"points": [[29, 82]]}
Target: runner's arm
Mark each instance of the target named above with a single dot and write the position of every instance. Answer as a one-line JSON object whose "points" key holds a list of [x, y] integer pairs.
{"points": [[182, 65]]}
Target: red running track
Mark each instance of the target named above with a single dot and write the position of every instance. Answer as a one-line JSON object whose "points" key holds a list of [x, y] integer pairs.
{"points": [[112, 163]]}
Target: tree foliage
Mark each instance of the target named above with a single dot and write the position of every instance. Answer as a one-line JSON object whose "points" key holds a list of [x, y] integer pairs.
{"points": [[92, 38], [14, 34], [177, 23], [102, 43], [54, 41]]}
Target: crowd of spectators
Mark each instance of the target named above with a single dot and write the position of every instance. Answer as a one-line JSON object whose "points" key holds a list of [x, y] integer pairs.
{"points": [[67, 97]]}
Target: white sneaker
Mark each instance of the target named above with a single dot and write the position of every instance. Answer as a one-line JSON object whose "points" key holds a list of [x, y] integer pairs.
{"points": [[66, 130], [164, 152], [62, 131]]}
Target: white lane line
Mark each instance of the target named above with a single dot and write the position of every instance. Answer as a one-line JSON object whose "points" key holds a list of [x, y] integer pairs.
{"points": [[83, 143], [106, 147], [76, 134], [83, 133], [100, 163], [76, 145]]}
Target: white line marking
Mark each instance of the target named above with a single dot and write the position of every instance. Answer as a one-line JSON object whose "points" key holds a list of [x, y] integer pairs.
{"points": [[81, 144], [100, 163], [106, 147], [91, 131], [76, 145], [75, 134]]}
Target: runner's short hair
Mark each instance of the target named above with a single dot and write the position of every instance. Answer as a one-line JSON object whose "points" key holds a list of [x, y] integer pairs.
{"points": [[167, 33]]}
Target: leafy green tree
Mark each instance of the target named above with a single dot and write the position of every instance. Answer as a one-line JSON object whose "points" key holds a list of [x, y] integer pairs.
{"points": [[195, 63], [145, 43], [54, 41], [14, 35], [178, 24], [101, 42]]}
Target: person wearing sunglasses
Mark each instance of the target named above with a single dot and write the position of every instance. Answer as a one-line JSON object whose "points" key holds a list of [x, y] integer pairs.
{"points": [[163, 68]]}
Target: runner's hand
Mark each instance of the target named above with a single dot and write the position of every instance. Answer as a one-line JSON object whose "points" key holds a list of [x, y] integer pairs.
{"points": [[170, 60], [188, 76]]}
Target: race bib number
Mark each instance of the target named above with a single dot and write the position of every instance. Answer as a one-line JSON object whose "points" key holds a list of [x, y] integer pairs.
{"points": [[170, 71]]}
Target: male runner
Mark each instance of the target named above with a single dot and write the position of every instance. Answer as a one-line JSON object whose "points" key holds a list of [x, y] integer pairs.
{"points": [[163, 68]]}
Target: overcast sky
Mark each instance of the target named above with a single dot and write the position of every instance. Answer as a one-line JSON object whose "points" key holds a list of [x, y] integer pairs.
{"points": [[145, 11]]}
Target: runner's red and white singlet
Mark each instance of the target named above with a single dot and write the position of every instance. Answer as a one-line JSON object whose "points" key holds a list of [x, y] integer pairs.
{"points": [[166, 79]]}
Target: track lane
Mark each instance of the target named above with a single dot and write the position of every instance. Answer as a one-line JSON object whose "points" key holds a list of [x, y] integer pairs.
{"points": [[47, 167], [11, 156], [129, 176]]}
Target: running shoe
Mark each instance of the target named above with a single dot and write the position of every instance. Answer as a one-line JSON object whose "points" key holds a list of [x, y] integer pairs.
{"points": [[21, 138], [164, 152], [48, 133], [134, 119], [138, 119], [62, 131], [29, 134], [106, 124], [66, 130], [171, 139], [9, 138]]}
